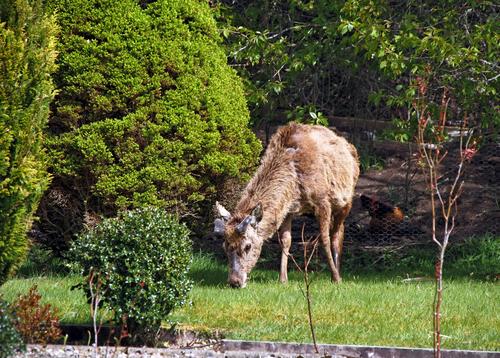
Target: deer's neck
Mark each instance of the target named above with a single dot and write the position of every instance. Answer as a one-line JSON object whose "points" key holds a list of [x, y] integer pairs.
{"points": [[277, 195]]}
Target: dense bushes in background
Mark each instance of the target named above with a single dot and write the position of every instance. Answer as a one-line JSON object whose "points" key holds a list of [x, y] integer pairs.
{"points": [[450, 48], [361, 58], [41, 261], [27, 55], [148, 112], [137, 264]]}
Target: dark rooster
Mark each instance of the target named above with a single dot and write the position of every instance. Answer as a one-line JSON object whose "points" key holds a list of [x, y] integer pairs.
{"points": [[386, 219]]}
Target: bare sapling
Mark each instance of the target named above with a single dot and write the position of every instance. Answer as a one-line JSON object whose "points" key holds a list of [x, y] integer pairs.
{"points": [[96, 293], [95, 299], [443, 192], [306, 291]]}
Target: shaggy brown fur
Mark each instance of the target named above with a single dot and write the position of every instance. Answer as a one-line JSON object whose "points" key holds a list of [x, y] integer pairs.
{"points": [[305, 169]]}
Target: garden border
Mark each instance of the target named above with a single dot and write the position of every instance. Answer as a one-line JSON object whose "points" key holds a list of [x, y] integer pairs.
{"points": [[350, 350], [233, 348]]}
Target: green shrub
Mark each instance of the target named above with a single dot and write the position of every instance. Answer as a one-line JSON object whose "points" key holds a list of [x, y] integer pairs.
{"points": [[140, 262], [27, 54], [148, 111], [10, 340]]}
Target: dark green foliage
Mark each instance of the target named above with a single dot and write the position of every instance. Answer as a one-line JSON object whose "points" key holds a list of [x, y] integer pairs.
{"points": [[451, 48], [361, 57], [10, 340], [294, 66], [148, 112], [41, 261], [138, 263], [27, 55]]}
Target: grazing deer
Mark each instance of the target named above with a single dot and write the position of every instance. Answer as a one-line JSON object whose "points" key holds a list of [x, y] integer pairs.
{"points": [[305, 169]]}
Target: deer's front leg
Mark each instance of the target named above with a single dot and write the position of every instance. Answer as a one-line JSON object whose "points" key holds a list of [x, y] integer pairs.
{"points": [[285, 238]]}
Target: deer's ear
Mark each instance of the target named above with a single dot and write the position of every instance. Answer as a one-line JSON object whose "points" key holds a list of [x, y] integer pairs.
{"points": [[241, 228], [223, 213], [257, 213]]}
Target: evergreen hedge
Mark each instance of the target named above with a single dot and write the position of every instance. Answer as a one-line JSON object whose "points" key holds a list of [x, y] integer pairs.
{"points": [[27, 55], [148, 111]]}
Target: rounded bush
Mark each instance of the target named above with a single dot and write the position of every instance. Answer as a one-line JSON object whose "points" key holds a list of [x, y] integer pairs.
{"points": [[148, 112], [139, 262]]}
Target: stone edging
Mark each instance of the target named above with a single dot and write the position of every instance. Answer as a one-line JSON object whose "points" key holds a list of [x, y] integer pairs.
{"points": [[350, 350], [230, 348]]}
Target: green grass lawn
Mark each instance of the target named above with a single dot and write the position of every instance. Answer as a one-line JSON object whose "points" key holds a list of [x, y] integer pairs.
{"points": [[375, 310], [367, 311]]}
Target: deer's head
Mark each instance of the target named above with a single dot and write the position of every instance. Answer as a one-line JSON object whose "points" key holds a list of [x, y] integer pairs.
{"points": [[242, 243]]}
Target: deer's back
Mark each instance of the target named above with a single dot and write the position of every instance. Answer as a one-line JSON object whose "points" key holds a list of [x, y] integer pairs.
{"points": [[326, 165]]}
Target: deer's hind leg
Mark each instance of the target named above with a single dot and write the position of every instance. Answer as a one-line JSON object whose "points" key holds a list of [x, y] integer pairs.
{"points": [[337, 233], [324, 216]]}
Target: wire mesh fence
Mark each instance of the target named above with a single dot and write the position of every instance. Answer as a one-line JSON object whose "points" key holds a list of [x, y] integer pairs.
{"points": [[396, 197], [391, 212]]}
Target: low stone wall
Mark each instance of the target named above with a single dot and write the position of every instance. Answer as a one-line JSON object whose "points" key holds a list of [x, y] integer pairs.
{"points": [[229, 348], [54, 351]]}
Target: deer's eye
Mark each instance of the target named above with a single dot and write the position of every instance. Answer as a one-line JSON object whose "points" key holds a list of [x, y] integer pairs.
{"points": [[247, 248]]}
